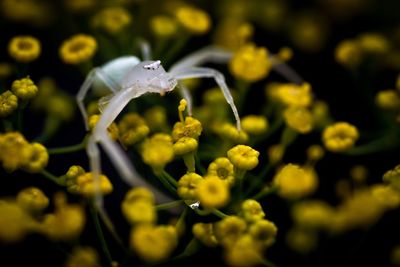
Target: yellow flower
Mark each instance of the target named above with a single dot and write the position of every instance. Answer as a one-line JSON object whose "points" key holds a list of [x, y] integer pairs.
{"points": [[6, 69], [187, 186], [67, 221], [86, 185], [163, 26], [112, 130], [315, 152], [395, 255], [386, 195], [263, 232], [230, 132], [112, 19], [213, 192], [79, 6], [232, 33], [348, 53], [138, 206], [243, 157], [77, 49], [250, 63], [194, 20], [82, 257], [191, 127], [359, 173], [243, 253], [392, 177], [15, 151], [24, 49], [32, 200], [132, 128], [205, 233], [340, 136], [157, 151], [299, 119], [373, 43], [70, 178], [24, 88], [61, 106], [295, 182], [156, 118], [229, 229], [253, 124], [388, 99], [313, 214], [185, 145], [276, 153], [153, 243], [294, 95], [38, 159], [223, 169], [251, 210], [8, 103], [301, 240]]}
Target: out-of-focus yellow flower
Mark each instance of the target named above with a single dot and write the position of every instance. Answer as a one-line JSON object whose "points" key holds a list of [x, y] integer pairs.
{"points": [[187, 186], [32, 199], [263, 232], [138, 206], [139, 194], [24, 88], [340, 136], [112, 130], [315, 152], [132, 128], [79, 6], [386, 195], [251, 210], [229, 229], [243, 253], [295, 182], [320, 112], [78, 49], [388, 99], [163, 26], [250, 63], [112, 19], [348, 53], [15, 151], [194, 20], [299, 119], [230, 132], [276, 153], [392, 177], [213, 192], [243, 157], [38, 158], [156, 118], [67, 221], [6, 69], [223, 169], [82, 257], [153, 243], [24, 49], [373, 43], [8, 103], [70, 178], [205, 233], [301, 240], [86, 185], [359, 173], [292, 94], [232, 33], [313, 214], [157, 151], [395, 255], [254, 124]]}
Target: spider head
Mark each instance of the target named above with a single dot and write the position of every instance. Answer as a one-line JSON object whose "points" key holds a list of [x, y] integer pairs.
{"points": [[156, 79]]}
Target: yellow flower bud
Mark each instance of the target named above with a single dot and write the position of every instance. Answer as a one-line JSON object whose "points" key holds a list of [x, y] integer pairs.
{"points": [[230, 132], [340, 136], [83, 257], [348, 53], [223, 169], [243, 157], [8, 103], [24, 88], [251, 210], [112, 19], [187, 186], [33, 200], [204, 232], [78, 49], [157, 151], [299, 119], [132, 128], [86, 185], [388, 99], [185, 145], [38, 159], [191, 127], [194, 20], [213, 192], [263, 232], [253, 124], [163, 26], [229, 229], [24, 49]]}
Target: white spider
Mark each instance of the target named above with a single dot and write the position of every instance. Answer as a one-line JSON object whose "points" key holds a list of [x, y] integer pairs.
{"points": [[128, 78]]}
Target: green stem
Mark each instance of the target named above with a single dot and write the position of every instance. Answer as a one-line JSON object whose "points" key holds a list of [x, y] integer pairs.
{"points": [[69, 149], [52, 177], [50, 128], [100, 233], [378, 145], [166, 184], [7, 125], [265, 192], [243, 88], [216, 212], [259, 179], [170, 179], [219, 213], [199, 166], [169, 205]]}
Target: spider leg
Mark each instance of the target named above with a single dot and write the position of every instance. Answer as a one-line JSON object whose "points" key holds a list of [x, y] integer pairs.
{"points": [[90, 79], [199, 72]]}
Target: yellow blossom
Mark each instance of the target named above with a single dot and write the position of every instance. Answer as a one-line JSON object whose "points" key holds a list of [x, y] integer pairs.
{"points": [[348, 53], [254, 124], [373, 43], [6, 69], [359, 173], [313, 214], [112, 130], [32, 200], [8, 103], [139, 194], [340, 136], [82, 257], [78, 49], [157, 151], [263, 232], [191, 127], [213, 192], [395, 255], [315, 152], [156, 118], [392, 177], [24, 88], [205, 233], [112, 19], [87, 186], [194, 20], [223, 169], [132, 128], [295, 182], [299, 119], [250, 63], [387, 196], [67, 221], [229, 229], [243, 253], [38, 158], [294, 95], [15, 151], [243, 157], [232, 33], [153, 243], [187, 185], [285, 54], [24, 48], [185, 145], [251, 210], [163, 26], [276, 153], [301, 240], [388, 99], [60, 106], [138, 206], [230, 132], [79, 6], [70, 178]]}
